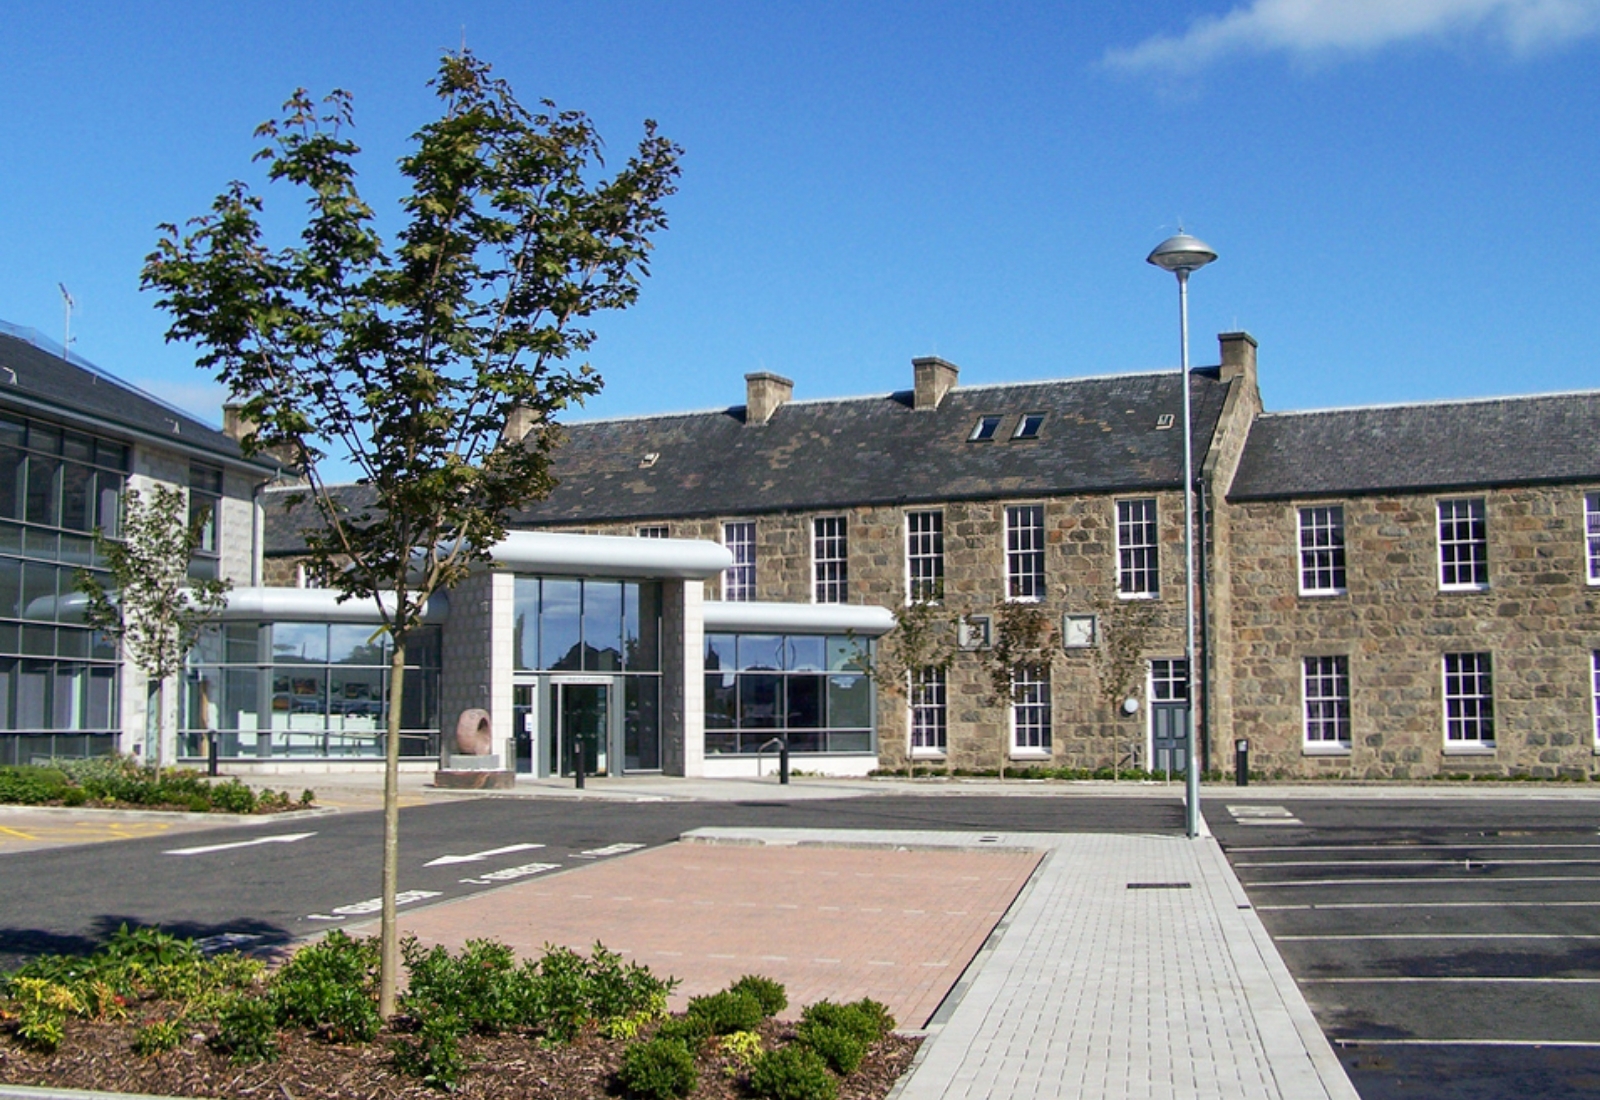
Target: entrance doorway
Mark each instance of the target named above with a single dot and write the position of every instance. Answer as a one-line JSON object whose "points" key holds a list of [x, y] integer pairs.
{"points": [[1169, 716], [580, 718]]}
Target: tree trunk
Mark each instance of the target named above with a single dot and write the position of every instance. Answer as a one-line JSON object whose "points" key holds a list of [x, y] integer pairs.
{"points": [[161, 723], [390, 935]]}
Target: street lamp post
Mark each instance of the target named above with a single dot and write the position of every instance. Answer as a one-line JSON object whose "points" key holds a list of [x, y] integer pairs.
{"points": [[1181, 255]]}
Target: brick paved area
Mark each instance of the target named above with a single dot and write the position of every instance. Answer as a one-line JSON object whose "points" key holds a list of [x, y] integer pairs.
{"points": [[898, 926]]}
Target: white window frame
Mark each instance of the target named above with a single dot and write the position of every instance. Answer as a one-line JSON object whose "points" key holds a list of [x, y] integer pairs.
{"points": [[1322, 550], [1591, 529], [1030, 711], [653, 531], [1460, 552], [1468, 701], [928, 721], [985, 430], [739, 579], [1325, 703], [830, 559], [1025, 553], [924, 555], [1131, 569], [1595, 680]]}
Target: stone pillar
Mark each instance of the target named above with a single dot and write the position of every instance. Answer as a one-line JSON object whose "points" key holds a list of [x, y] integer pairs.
{"points": [[477, 659], [683, 683]]}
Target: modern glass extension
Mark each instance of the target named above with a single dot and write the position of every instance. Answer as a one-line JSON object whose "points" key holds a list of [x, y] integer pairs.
{"points": [[811, 690], [307, 690]]}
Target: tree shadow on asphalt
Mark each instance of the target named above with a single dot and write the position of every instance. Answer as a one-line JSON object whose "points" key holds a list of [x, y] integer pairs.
{"points": [[18, 945]]}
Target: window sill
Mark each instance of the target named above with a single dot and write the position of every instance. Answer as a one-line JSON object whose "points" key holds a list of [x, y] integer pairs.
{"points": [[1469, 748], [1030, 754], [927, 754], [1325, 748], [1024, 599], [1462, 589], [1323, 593], [1138, 595]]}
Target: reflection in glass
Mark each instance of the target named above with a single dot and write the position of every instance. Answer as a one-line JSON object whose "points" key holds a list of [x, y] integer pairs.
{"points": [[38, 591], [561, 625], [525, 629], [305, 643], [806, 653], [846, 653], [641, 724], [720, 652], [761, 651], [760, 701], [602, 626], [356, 644], [722, 700], [805, 702], [849, 702]]}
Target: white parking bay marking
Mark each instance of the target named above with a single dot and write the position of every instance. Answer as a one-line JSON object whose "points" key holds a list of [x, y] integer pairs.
{"points": [[1263, 815], [282, 838], [608, 850], [373, 905], [510, 874], [479, 857]]}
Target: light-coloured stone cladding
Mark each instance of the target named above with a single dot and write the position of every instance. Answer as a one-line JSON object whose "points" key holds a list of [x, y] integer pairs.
{"points": [[1537, 618]]}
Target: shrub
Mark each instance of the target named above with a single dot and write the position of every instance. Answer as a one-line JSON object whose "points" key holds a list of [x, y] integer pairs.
{"points": [[622, 994], [792, 1073], [434, 1055], [233, 797], [31, 786], [866, 1019], [559, 1002], [661, 1069], [742, 1047], [691, 1031], [728, 1011], [770, 995], [42, 1008], [247, 1030], [157, 1036], [479, 988], [308, 797], [841, 1049], [331, 988]]}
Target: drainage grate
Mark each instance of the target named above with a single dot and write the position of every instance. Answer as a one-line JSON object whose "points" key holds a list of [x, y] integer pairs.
{"points": [[1158, 886]]}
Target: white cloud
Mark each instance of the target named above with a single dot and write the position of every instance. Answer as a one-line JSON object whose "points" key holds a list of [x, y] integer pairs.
{"points": [[1326, 27]]}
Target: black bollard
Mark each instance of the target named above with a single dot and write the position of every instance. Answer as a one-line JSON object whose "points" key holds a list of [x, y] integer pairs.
{"points": [[212, 740], [577, 753], [1241, 762], [783, 763]]}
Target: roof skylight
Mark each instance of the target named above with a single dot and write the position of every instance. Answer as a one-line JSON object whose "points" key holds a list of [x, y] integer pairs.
{"points": [[1028, 427], [985, 429]]}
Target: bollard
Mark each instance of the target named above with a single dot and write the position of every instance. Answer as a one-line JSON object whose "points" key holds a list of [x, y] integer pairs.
{"points": [[212, 739], [577, 755], [1241, 762], [783, 763]]}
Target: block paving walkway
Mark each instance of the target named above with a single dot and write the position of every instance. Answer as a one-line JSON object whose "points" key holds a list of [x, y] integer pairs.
{"points": [[898, 926]]}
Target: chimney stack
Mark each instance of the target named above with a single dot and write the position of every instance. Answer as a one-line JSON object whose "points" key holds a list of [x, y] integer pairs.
{"points": [[764, 393], [1238, 356], [235, 425], [932, 378]]}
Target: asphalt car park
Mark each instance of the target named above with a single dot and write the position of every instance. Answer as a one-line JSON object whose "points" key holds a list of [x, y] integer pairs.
{"points": [[1449, 947]]}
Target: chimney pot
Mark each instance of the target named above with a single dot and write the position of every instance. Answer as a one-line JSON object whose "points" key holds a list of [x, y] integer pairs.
{"points": [[764, 393], [932, 378]]}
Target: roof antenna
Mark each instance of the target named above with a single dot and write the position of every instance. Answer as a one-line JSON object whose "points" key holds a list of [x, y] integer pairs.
{"points": [[68, 302]]}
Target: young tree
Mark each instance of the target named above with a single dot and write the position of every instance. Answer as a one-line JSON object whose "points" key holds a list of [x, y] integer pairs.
{"points": [[152, 607], [922, 641], [436, 367]]}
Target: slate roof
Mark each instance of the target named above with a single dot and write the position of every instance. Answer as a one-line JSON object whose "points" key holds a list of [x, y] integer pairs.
{"points": [[33, 374], [1436, 446], [1099, 435]]}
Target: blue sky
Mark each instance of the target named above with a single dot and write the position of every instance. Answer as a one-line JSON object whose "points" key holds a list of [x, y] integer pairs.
{"points": [[1400, 191]]}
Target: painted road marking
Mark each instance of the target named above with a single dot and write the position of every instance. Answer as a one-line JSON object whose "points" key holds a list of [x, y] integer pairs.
{"points": [[1406, 847], [1468, 864], [283, 838], [1449, 981], [1474, 881], [1577, 1044], [374, 905], [1441, 936], [608, 850], [510, 874], [1263, 815], [1434, 905], [479, 857]]}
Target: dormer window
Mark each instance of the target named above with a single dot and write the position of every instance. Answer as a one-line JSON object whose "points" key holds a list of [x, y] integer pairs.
{"points": [[985, 429], [1028, 427]]}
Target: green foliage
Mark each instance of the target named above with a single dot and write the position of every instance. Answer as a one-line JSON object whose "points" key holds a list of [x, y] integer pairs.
{"points": [[865, 1018], [434, 1053], [841, 1049], [792, 1073], [742, 1048], [247, 1030], [233, 797], [41, 1010], [728, 1011], [620, 991], [114, 779], [330, 987], [770, 995], [32, 786], [691, 1031], [661, 1069], [157, 1036], [482, 988]]}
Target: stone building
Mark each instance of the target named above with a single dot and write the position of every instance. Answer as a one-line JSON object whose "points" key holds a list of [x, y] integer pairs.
{"points": [[1415, 590]]}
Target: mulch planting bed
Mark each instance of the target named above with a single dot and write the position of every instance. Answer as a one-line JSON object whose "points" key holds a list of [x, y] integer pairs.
{"points": [[100, 1056]]}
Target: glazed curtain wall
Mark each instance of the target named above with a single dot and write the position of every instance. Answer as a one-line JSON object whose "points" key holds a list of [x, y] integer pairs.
{"points": [[307, 690], [810, 689], [58, 679]]}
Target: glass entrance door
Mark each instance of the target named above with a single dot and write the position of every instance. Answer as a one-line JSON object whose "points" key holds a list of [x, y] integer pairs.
{"points": [[522, 721], [582, 714]]}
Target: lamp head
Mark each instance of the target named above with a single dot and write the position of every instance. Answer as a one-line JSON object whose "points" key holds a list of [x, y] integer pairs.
{"points": [[1181, 254]]}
